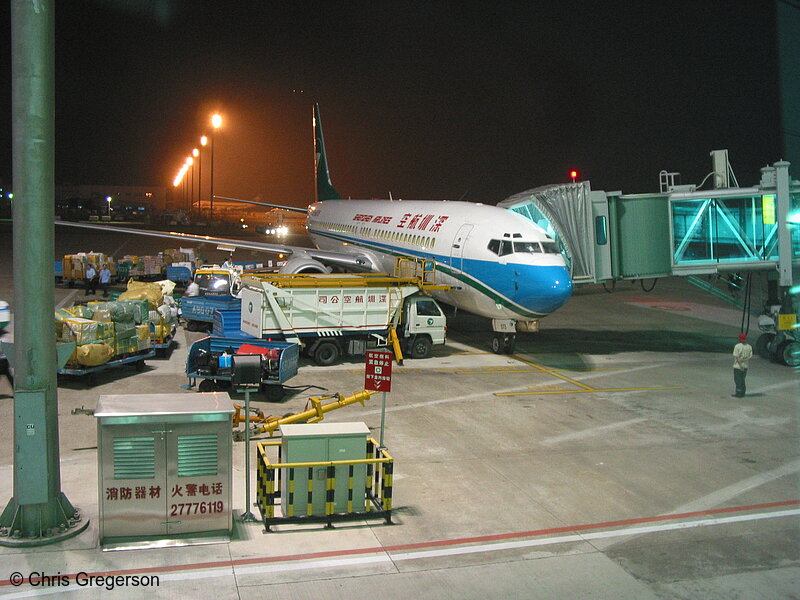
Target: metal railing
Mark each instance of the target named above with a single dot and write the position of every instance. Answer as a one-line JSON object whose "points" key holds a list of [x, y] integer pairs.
{"points": [[285, 482]]}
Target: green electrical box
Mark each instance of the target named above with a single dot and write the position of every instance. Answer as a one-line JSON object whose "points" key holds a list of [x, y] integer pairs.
{"points": [[321, 443]]}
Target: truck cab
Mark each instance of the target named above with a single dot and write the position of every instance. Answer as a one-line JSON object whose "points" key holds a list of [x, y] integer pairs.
{"points": [[217, 281], [422, 325]]}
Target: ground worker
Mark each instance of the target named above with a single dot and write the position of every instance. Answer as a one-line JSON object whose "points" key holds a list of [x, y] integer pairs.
{"points": [[91, 280], [742, 353], [105, 280], [192, 289]]}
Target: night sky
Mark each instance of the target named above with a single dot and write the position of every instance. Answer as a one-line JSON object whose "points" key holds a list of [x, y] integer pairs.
{"points": [[425, 100]]}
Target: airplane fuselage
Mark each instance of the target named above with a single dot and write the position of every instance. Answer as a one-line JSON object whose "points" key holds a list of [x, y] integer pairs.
{"points": [[498, 264]]}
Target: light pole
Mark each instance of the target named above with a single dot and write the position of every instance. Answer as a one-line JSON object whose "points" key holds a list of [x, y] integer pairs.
{"points": [[196, 155], [190, 184], [203, 142], [216, 122], [108, 199]]}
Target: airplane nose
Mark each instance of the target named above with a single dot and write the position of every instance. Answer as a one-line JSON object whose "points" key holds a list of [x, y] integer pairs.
{"points": [[545, 290]]}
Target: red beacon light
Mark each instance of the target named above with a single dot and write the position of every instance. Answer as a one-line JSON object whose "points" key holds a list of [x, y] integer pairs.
{"points": [[574, 175]]}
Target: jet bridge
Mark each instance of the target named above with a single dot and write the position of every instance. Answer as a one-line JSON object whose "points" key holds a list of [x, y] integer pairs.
{"points": [[678, 231]]}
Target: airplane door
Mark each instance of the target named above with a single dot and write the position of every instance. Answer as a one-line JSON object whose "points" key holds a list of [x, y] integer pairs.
{"points": [[457, 249]]}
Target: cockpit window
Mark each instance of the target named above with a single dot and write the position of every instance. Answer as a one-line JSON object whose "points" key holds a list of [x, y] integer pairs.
{"points": [[505, 247], [530, 247], [550, 247]]}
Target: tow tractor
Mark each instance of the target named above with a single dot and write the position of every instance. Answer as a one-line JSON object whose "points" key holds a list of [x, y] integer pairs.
{"points": [[219, 289]]}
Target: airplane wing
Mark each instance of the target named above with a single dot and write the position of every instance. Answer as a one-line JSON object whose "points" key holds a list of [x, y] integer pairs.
{"points": [[355, 260]]}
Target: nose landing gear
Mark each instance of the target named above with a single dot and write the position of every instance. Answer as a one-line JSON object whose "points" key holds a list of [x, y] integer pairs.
{"points": [[503, 343]]}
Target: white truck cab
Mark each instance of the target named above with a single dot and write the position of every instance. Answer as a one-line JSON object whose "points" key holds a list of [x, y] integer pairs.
{"points": [[423, 325]]}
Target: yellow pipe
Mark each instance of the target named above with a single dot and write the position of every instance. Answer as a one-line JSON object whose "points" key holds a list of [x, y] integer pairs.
{"points": [[316, 413]]}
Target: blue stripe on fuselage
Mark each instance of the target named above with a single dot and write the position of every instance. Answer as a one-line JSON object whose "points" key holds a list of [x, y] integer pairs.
{"points": [[530, 290]]}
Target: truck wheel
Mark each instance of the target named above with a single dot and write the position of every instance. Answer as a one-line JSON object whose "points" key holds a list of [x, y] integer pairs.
{"points": [[508, 344], [421, 347], [326, 354], [763, 343], [207, 385], [191, 325], [789, 353]]}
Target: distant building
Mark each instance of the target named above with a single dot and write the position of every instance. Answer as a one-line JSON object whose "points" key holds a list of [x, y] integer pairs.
{"points": [[128, 203]]}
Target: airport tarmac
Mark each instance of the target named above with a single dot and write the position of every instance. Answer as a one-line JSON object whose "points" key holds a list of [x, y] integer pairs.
{"points": [[605, 458]]}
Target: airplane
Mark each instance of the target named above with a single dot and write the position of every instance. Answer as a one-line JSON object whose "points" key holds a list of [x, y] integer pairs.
{"points": [[497, 263]]}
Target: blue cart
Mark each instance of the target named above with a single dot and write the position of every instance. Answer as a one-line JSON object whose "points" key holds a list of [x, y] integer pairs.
{"points": [[209, 361], [136, 360]]}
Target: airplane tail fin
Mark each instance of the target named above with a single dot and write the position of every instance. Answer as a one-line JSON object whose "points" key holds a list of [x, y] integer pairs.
{"points": [[325, 189]]}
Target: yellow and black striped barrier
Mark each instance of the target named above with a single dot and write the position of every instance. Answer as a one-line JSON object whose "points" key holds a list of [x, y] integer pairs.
{"points": [[274, 488]]}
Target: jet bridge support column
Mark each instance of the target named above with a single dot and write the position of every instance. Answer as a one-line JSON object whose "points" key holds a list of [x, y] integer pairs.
{"points": [[38, 513], [784, 235]]}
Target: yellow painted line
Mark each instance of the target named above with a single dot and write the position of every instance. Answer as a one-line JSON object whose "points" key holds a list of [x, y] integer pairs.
{"points": [[489, 371], [564, 377], [586, 391]]}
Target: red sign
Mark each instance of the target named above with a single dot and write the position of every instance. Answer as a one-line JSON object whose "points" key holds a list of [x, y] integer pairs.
{"points": [[378, 373]]}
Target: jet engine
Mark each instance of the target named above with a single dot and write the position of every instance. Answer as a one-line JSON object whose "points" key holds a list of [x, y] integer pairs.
{"points": [[303, 264]]}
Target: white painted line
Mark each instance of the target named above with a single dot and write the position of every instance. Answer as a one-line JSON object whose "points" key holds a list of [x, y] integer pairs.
{"points": [[381, 557], [584, 433], [722, 495], [732, 491], [582, 537], [328, 563], [526, 388], [776, 386]]}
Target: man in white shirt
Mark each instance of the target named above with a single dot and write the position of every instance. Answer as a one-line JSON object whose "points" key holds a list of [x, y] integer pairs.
{"points": [[105, 280], [91, 280], [192, 289], [742, 353]]}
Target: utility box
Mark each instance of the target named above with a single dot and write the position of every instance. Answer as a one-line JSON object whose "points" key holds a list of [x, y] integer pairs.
{"points": [[164, 467], [321, 443]]}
